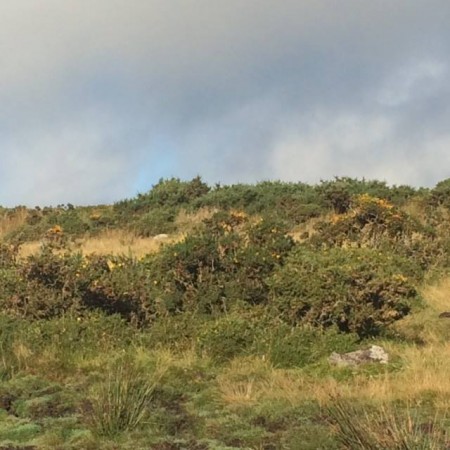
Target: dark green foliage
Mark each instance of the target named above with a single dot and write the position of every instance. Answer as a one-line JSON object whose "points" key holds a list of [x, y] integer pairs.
{"points": [[169, 193], [210, 271], [124, 287], [227, 262], [338, 195], [230, 260], [440, 195], [157, 221], [228, 337], [8, 255], [338, 192], [357, 290], [300, 346], [293, 202]]}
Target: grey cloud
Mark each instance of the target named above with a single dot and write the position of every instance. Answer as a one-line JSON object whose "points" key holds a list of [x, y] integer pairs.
{"points": [[100, 99]]}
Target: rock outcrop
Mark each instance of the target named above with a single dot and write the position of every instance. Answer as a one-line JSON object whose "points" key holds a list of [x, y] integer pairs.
{"points": [[374, 354]]}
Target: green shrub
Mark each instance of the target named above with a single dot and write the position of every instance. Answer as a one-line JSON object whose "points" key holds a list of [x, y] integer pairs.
{"points": [[177, 332], [50, 285], [8, 255], [87, 334], [440, 195], [339, 191], [226, 262], [292, 202], [157, 221], [357, 290], [227, 337], [300, 346], [170, 194], [124, 286]]}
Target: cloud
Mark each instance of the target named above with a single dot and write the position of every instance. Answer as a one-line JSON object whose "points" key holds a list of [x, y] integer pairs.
{"points": [[101, 99], [413, 83], [327, 146]]}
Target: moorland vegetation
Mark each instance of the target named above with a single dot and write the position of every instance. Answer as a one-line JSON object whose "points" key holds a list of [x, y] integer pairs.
{"points": [[202, 317]]}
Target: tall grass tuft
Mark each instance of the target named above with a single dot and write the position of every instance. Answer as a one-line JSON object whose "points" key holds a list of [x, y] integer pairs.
{"points": [[121, 402], [385, 428]]}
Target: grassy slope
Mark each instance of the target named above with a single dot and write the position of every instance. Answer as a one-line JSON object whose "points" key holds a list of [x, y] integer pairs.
{"points": [[70, 382], [244, 403]]}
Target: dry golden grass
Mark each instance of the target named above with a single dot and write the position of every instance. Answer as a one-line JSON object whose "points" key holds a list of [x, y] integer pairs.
{"points": [[264, 383], [13, 220], [414, 208], [241, 383], [119, 242], [437, 295], [111, 242], [29, 248], [424, 370], [426, 324]]}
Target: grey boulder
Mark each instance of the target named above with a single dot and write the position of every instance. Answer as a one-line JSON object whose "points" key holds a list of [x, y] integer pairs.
{"points": [[373, 354]]}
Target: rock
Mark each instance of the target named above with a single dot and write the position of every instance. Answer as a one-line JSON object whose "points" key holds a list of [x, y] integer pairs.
{"points": [[444, 315], [374, 354], [160, 237]]}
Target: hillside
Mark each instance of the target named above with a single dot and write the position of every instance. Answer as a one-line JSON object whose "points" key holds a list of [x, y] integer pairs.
{"points": [[199, 317]]}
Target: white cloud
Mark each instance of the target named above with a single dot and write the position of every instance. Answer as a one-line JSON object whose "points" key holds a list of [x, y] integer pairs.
{"points": [[360, 146], [327, 146]]}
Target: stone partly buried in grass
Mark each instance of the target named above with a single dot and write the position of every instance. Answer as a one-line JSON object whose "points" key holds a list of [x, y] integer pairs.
{"points": [[374, 354]]}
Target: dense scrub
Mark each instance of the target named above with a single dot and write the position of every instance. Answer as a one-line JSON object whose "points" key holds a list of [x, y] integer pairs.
{"points": [[275, 276]]}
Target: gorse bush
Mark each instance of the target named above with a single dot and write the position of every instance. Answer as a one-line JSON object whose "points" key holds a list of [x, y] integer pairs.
{"points": [[376, 223], [367, 221], [357, 290], [166, 195], [123, 287], [293, 202], [440, 195], [226, 262], [338, 193], [350, 277]]}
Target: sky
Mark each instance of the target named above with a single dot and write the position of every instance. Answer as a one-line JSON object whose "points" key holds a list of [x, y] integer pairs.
{"points": [[99, 99]]}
